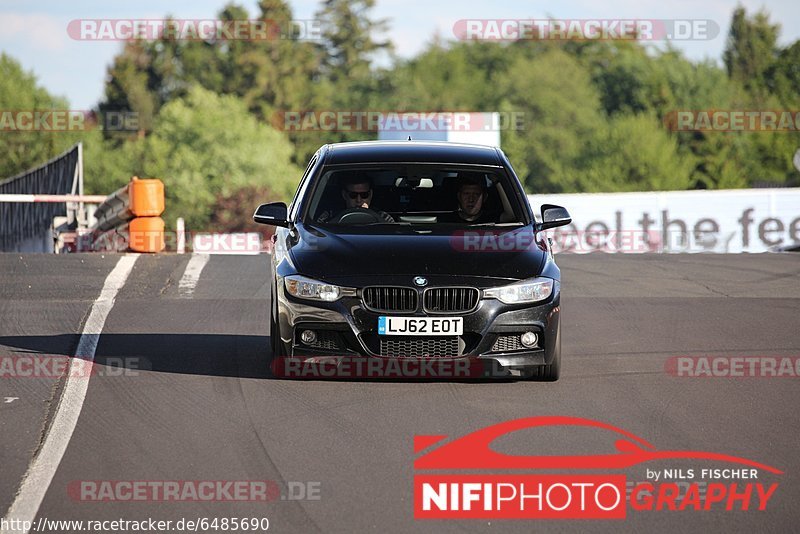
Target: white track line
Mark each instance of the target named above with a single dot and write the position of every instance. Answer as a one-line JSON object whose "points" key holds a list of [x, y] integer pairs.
{"points": [[43, 467], [192, 274]]}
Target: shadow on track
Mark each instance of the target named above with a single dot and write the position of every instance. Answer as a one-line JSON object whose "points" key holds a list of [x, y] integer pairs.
{"points": [[228, 355], [198, 354]]}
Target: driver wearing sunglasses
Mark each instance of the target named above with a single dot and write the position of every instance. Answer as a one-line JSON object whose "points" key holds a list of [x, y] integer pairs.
{"points": [[357, 193]]}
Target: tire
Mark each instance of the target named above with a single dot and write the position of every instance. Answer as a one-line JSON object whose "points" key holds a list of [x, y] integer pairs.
{"points": [[277, 360], [276, 346]]}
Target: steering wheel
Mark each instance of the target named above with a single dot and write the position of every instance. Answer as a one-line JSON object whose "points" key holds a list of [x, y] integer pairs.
{"points": [[358, 216]]}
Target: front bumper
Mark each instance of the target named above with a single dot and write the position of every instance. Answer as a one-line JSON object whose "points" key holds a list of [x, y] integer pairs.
{"points": [[347, 332]]}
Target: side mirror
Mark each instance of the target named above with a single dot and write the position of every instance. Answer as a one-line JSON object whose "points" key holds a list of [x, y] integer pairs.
{"points": [[553, 216], [274, 213]]}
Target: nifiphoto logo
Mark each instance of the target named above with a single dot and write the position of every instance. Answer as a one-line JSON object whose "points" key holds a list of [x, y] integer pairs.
{"points": [[446, 487]]}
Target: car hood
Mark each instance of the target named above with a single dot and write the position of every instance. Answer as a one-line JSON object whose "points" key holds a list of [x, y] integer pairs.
{"points": [[494, 254]]}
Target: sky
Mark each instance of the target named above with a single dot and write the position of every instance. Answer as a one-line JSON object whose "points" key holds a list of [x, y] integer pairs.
{"points": [[35, 31]]}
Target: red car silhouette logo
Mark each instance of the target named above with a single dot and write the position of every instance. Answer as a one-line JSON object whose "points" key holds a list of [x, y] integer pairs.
{"points": [[473, 452]]}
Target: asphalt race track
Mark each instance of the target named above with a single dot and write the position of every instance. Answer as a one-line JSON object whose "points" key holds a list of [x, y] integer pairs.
{"points": [[197, 403]]}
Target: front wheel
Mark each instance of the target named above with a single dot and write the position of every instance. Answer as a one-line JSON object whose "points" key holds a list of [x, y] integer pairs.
{"points": [[277, 362], [276, 345]]}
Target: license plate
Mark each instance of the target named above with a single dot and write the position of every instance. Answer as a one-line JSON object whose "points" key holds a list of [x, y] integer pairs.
{"points": [[420, 326]]}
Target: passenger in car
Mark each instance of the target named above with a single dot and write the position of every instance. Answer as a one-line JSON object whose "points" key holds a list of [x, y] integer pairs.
{"points": [[471, 197]]}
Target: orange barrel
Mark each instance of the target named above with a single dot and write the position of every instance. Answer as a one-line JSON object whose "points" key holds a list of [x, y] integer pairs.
{"points": [[146, 197], [146, 234]]}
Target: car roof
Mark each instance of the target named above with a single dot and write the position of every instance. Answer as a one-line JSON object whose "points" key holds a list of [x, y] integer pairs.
{"points": [[410, 152]]}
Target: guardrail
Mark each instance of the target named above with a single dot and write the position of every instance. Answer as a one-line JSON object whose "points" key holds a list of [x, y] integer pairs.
{"points": [[55, 199], [129, 218], [31, 200]]}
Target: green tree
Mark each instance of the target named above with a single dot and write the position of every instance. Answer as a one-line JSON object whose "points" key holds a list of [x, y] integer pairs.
{"points": [[349, 38], [269, 74], [132, 86], [22, 150], [207, 147], [634, 154], [279, 73], [628, 79], [784, 76], [463, 76], [562, 113], [718, 156], [108, 164], [751, 50], [594, 111], [349, 43]]}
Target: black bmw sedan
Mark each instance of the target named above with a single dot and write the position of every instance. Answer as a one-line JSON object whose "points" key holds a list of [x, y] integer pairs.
{"points": [[415, 251]]}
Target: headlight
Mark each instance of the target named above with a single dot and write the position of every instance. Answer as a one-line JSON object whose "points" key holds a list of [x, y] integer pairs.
{"points": [[306, 288], [532, 290]]}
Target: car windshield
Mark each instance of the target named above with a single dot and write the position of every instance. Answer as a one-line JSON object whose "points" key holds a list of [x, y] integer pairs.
{"points": [[414, 195]]}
